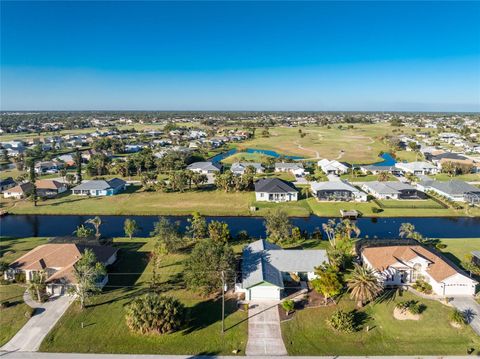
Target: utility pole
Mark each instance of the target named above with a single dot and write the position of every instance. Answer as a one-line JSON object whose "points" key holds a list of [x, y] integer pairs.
{"points": [[223, 301]]}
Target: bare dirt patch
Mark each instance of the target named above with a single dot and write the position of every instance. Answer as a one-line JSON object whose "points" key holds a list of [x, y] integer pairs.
{"points": [[400, 314]]}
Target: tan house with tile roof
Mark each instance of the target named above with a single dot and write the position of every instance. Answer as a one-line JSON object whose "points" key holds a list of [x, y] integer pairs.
{"points": [[57, 260], [402, 265]]}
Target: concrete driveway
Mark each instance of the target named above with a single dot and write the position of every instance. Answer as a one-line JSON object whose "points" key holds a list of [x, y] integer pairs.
{"points": [[36, 329], [264, 334], [469, 305]]}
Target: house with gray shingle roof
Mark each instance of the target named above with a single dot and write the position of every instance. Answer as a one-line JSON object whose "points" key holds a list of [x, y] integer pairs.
{"points": [[275, 190], [100, 187], [239, 168], [392, 190], [266, 266], [458, 191], [337, 191], [294, 168]]}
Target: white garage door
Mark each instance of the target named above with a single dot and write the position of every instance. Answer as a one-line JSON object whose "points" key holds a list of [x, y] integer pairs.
{"points": [[265, 293], [464, 289]]}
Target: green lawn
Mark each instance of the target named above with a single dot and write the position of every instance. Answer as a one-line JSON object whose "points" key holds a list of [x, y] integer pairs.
{"points": [[458, 248], [13, 317], [13, 248], [416, 204], [308, 334], [471, 177], [141, 203], [105, 330], [300, 208]]}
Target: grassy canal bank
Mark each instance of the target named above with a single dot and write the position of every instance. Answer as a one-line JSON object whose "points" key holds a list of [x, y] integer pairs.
{"points": [[218, 203]]}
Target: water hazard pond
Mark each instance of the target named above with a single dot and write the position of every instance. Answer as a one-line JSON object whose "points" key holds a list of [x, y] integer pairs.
{"points": [[112, 226]]}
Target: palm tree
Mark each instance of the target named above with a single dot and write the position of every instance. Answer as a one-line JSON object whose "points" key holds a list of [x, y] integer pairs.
{"points": [[383, 176], [363, 284], [37, 284], [96, 222], [407, 230], [305, 192]]}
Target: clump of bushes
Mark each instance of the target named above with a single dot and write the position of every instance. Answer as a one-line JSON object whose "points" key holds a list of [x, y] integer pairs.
{"points": [[4, 304], [422, 286], [412, 306], [458, 317], [153, 313], [288, 305], [342, 321], [376, 210]]}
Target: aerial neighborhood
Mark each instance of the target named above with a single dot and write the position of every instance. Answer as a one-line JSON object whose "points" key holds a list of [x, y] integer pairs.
{"points": [[299, 227]]}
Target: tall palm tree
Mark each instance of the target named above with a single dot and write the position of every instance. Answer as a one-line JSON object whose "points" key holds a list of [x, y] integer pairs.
{"points": [[96, 222], [363, 284], [306, 192]]}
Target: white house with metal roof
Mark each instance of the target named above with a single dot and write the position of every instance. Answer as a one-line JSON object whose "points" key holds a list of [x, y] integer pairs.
{"points": [[294, 168], [332, 167], [205, 167], [265, 267], [417, 168]]}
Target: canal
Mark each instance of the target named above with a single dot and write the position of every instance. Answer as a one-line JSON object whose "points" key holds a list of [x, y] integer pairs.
{"points": [[112, 226]]}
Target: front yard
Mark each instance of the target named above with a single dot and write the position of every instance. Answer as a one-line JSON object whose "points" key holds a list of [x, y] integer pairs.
{"points": [[309, 334], [105, 330], [12, 318]]}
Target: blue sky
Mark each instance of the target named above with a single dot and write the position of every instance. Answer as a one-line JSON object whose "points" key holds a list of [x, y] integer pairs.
{"points": [[403, 56]]}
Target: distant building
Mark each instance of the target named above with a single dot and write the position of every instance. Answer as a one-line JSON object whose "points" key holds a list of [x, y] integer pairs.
{"points": [[240, 167], [294, 168], [332, 167], [458, 191], [392, 190], [205, 167], [417, 168], [7, 183], [20, 191]]}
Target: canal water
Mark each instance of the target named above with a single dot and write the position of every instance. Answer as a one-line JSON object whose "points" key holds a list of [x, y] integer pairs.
{"points": [[112, 226]]}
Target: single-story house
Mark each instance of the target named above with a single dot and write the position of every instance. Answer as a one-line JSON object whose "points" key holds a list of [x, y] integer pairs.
{"points": [[275, 190], [266, 266], [417, 168], [403, 265], [205, 167], [332, 167], [7, 183], [49, 188], [100, 187], [458, 191], [373, 169], [337, 191], [449, 156], [57, 260], [48, 167], [239, 168], [294, 168], [21, 190], [392, 190]]}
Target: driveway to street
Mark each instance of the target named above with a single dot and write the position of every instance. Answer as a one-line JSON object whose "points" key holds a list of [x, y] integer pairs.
{"points": [[470, 306], [264, 334], [31, 335]]}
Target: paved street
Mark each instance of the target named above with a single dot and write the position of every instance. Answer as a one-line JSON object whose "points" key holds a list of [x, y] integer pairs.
{"points": [[264, 334], [32, 333], [468, 304], [26, 355]]}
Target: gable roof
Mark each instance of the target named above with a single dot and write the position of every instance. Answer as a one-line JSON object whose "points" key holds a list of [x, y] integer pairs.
{"points": [[274, 185], [415, 166], [265, 262], [48, 184], [241, 166], [383, 257], [7, 181], [289, 165], [22, 188]]}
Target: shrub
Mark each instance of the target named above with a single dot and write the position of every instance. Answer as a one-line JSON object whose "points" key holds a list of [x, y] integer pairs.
{"points": [[155, 314], [4, 304], [376, 210], [422, 286], [4, 281], [411, 305], [288, 305], [458, 317], [20, 278], [30, 312], [342, 321], [441, 246]]}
